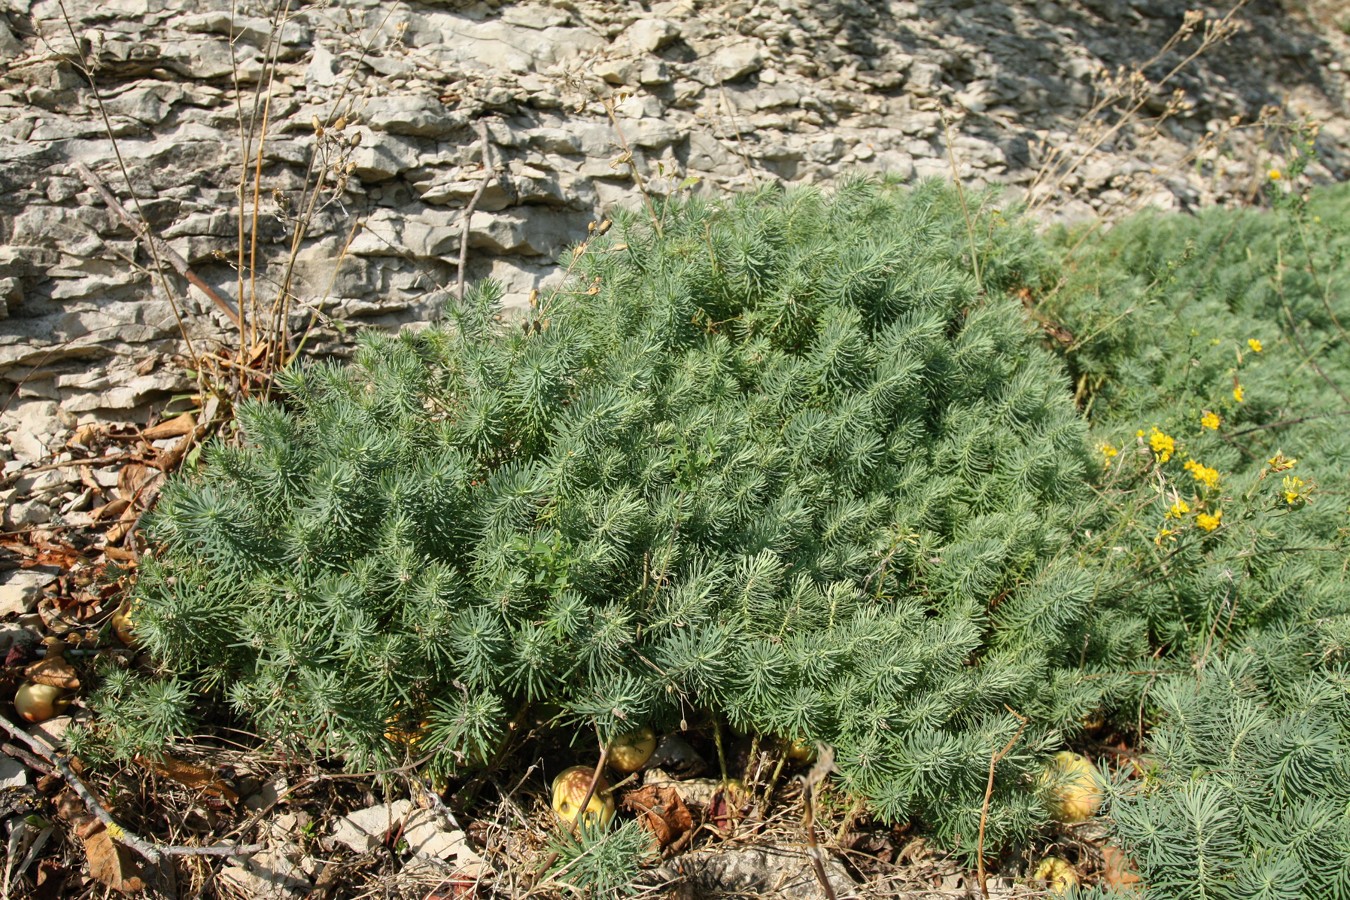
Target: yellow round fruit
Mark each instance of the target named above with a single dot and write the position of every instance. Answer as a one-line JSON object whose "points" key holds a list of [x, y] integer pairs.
{"points": [[630, 752], [1075, 795], [122, 625], [569, 790], [1057, 875], [800, 751], [39, 702]]}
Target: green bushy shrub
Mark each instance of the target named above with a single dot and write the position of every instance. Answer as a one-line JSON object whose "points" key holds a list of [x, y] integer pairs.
{"points": [[776, 462], [1211, 356], [1247, 788], [1216, 375]]}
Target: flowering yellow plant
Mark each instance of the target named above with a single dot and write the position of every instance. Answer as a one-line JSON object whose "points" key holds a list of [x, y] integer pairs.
{"points": [[1204, 474], [1295, 490], [1281, 463], [1210, 420], [1164, 445], [1209, 522], [1179, 509], [1237, 393], [1109, 452], [1255, 344]]}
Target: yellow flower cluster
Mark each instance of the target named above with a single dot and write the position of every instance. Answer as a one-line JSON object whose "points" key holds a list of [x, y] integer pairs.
{"points": [[1109, 452], [1204, 474], [1209, 420], [1281, 463], [1238, 393], [1164, 445], [1179, 509], [1296, 490], [1255, 344], [1208, 522]]}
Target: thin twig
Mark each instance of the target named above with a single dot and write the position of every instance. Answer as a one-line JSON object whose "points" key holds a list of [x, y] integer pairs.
{"points": [[28, 759], [965, 208], [152, 245], [152, 851], [156, 245], [488, 173], [824, 765], [984, 807], [632, 165]]}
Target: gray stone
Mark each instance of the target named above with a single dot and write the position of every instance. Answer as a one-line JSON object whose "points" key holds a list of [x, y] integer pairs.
{"points": [[365, 829], [10, 46], [535, 16], [28, 514], [383, 156], [708, 154], [429, 834], [20, 589], [323, 67], [924, 78], [268, 875], [13, 774], [650, 35], [737, 61], [616, 71], [418, 116]]}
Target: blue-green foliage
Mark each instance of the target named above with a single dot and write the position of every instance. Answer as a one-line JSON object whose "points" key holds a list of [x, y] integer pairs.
{"points": [[1247, 793], [777, 460]]}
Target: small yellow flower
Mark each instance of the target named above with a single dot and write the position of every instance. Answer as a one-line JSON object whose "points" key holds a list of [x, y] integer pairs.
{"points": [[1255, 344], [1203, 474], [1295, 490], [1209, 420], [1208, 522], [1164, 445], [1178, 510], [1165, 534], [1139, 433], [1281, 463], [1274, 174], [1109, 452], [1237, 393]]}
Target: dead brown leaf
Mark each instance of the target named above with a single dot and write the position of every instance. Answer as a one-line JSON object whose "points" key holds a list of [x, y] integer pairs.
{"points": [[1117, 868], [54, 670], [111, 509], [190, 775], [109, 862], [87, 436], [175, 427], [121, 555], [660, 810], [132, 478]]}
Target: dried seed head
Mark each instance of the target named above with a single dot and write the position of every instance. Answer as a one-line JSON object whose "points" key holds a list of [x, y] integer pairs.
{"points": [[340, 124], [316, 125], [356, 140]]}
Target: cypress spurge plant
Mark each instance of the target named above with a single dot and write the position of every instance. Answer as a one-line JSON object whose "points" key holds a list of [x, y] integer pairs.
{"points": [[778, 462], [1212, 356]]}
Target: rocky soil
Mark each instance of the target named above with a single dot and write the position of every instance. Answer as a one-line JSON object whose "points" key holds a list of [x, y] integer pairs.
{"points": [[729, 93], [584, 104]]}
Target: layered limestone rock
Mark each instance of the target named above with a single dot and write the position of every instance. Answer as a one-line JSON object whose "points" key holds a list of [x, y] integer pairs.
{"points": [[578, 101]]}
